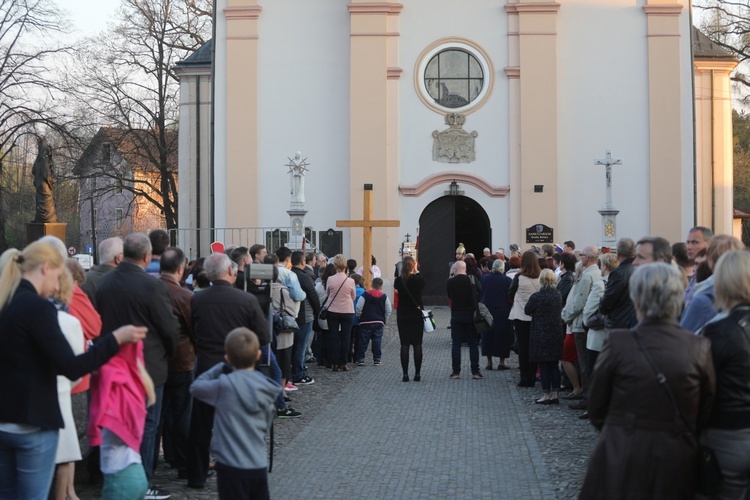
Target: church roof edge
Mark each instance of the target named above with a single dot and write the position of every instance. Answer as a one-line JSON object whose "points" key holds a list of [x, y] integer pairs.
{"points": [[705, 48]]}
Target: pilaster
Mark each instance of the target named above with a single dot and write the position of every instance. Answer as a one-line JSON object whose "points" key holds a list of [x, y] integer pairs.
{"points": [[714, 156], [242, 164], [532, 72], [665, 118], [375, 75]]}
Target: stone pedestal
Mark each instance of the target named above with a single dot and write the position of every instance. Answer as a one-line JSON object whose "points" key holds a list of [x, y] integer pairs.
{"points": [[609, 226], [297, 224], [35, 230]]}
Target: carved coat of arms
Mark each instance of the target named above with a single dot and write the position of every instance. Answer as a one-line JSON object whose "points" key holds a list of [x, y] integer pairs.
{"points": [[454, 145]]}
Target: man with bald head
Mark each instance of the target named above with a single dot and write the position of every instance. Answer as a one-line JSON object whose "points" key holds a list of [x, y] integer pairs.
{"points": [[572, 313], [463, 294]]}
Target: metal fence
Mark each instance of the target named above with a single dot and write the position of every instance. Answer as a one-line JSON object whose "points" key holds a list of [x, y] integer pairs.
{"points": [[196, 242]]}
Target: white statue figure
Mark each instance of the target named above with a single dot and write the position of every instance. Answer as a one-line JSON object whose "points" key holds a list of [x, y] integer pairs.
{"points": [[297, 167]]}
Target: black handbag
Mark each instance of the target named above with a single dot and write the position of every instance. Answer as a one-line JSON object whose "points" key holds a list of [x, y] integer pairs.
{"points": [[288, 322], [709, 472]]}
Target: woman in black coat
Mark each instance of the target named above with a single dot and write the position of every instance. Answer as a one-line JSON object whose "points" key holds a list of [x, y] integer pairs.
{"points": [[409, 318], [546, 339]]}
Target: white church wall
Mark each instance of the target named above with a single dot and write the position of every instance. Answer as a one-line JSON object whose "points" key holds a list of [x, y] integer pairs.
{"points": [[304, 106], [484, 23], [603, 100], [604, 104]]}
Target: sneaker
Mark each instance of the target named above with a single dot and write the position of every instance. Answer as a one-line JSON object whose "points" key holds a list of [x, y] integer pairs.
{"points": [[290, 386], [378, 362], [477, 376], [311, 360], [306, 380], [455, 375], [360, 363], [287, 412], [155, 494]]}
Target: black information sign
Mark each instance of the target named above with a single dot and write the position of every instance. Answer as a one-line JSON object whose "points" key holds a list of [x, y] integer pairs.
{"points": [[539, 233], [331, 242]]}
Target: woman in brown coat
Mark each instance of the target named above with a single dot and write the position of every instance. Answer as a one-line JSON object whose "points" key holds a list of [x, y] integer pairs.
{"points": [[644, 449]]}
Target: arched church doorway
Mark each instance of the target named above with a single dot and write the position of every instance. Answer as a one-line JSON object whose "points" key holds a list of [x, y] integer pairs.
{"points": [[444, 224]]}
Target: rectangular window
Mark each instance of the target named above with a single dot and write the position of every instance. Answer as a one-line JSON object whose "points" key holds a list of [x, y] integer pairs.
{"points": [[107, 153], [118, 218]]}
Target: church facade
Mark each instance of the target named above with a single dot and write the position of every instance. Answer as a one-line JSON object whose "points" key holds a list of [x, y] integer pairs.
{"points": [[476, 122]]}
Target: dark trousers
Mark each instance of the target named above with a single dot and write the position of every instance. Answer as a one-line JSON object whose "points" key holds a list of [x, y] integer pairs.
{"points": [[463, 330], [550, 375], [241, 484], [201, 425], [528, 369], [175, 415], [583, 362], [340, 330], [591, 357]]}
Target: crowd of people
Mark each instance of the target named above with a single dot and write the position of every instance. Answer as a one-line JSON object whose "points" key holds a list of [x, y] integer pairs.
{"points": [[651, 341]]}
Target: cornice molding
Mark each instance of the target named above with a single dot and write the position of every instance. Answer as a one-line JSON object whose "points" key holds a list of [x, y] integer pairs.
{"points": [[394, 73], [460, 177], [663, 10], [235, 13], [513, 71], [533, 8], [375, 8]]}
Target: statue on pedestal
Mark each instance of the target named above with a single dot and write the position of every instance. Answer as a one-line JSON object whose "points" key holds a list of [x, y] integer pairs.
{"points": [[297, 167], [43, 172]]}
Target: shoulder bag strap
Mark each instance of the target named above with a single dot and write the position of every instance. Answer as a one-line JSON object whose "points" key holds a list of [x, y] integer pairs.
{"points": [[410, 295], [335, 294], [662, 379]]}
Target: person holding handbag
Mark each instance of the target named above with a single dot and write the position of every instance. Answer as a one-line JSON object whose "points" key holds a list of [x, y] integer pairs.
{"points": [[652, 386], [409, 286], [728, 428], [340, 287]]}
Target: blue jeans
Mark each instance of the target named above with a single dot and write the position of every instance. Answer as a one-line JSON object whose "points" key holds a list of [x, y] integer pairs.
{"points": [[340, 329], [150, 431], [298, 351], [127, 484], [27, 463], [366, 332], [463, 330]]}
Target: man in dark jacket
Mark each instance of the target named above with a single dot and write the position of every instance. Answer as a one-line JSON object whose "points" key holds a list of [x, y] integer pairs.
{"points": [[110, 254], [615, 303], [176, 407], [216, 311], [308, 311], [128, 295], [462, 294]]}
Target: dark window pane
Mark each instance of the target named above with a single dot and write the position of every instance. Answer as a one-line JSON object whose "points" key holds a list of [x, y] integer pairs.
{"points": [[475, 69], [453, 93], [432, 69], [453, 64]]}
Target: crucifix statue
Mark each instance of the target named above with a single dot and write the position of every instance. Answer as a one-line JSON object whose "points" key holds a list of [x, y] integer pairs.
{"points": [[609, 211], [297, 167], [367, 224]]}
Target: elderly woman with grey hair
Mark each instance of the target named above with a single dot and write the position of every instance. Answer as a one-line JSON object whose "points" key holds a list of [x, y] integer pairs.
{"points": [[645, 449]]}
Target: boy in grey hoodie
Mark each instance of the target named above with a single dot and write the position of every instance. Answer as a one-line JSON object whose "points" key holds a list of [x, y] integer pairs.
{"points": [[245, 407]]}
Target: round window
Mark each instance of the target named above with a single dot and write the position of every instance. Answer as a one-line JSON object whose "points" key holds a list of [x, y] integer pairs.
{"points": [[453, 76]]}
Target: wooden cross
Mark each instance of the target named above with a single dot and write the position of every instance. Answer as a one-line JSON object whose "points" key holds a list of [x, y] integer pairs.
{"points": [[367, 224]]}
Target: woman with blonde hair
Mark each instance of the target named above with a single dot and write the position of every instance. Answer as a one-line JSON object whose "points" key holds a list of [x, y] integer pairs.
{"points": [[728, 428], [341, 293], [546, 336], [33, 351]]}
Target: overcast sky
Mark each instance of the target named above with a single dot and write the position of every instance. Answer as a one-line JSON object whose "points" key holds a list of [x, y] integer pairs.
{"points": [[89, 16]]}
